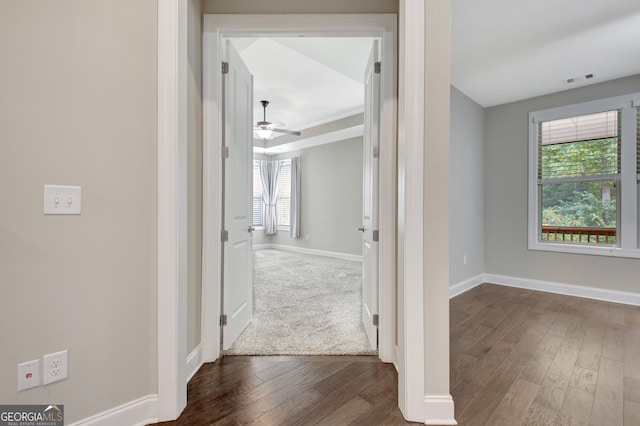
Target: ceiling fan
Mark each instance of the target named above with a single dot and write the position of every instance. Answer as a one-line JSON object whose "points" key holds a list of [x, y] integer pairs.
{"points": [[265, 128]]}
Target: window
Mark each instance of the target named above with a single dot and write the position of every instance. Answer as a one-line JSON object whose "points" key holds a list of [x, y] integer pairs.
{"points": [[257, 195], [584, 168], [283, 203]]}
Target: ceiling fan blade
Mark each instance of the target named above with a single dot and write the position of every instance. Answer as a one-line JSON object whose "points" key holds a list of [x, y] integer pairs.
{"points": [[289, 132]]}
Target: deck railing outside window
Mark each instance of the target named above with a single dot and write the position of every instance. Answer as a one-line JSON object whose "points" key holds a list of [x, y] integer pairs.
{"points": [[579, 234]]}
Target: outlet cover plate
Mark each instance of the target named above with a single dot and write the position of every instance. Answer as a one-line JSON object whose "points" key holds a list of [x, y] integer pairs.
{"points": [[60, 199], [28, 375], [55, 367]]}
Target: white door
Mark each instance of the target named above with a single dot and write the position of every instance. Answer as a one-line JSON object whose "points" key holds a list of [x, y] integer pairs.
{"points": [[237, 288], [370, 198]]}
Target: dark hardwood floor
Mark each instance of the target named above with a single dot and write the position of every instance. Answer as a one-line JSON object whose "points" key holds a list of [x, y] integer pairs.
{"points": [[522, 357], [300, 390], [518, 357]]}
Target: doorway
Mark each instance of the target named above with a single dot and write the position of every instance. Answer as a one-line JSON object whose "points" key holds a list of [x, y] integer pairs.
{"points": [[215, 31], [312, 302]]}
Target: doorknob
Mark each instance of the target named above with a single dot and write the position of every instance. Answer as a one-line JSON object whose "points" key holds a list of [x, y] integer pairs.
{"points": [[361, 229], [251, 229]]}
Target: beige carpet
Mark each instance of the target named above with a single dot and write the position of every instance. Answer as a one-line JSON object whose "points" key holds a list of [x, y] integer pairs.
{"points": [[304, 305]]}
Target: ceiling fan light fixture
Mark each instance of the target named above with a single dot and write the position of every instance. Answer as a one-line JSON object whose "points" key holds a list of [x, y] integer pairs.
{"points": [[264, 133]]}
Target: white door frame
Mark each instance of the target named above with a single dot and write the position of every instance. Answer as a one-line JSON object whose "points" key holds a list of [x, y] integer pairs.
{"points": [[172, 307], [215, 29]]}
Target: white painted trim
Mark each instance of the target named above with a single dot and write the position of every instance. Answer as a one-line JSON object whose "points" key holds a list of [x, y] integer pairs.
{"points": [[325, 253], [466, 285], [217, 27], [627, 246], [439, 410], [211, 193], [171, 199], [411, 138], [596, 293], [194, 362], [139, 412]]}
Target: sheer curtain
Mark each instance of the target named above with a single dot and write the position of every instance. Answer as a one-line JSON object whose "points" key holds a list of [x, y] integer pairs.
{"points": [[270, 177], [294, 216]]}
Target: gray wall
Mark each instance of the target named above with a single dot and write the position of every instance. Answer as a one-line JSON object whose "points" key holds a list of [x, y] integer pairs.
{"points": [[467, 188], [78, 107], [331, 199], [506, 252]]}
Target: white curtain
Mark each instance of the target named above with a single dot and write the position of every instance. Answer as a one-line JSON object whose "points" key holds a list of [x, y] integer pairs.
{"points": [[270, 177], [294, 216]]}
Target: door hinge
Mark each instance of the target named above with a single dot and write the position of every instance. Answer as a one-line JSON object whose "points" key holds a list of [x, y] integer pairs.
{"points": [[377, 67], [225, 236], [225, 68], [223, 320], [376, 152], [376, 320], [376, 235], [225, 152]]}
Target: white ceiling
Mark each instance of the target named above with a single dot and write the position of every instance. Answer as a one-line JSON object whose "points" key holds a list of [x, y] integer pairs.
{"points": [[506, 50], [502, 51], [308, 81]]}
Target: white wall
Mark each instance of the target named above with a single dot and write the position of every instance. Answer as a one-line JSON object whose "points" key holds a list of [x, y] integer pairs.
{"points": [[506, 253], [466, 188], [78, 107], [331, 199]]}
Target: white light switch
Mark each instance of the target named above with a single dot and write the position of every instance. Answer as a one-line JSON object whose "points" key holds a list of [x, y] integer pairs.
{"points": [[62, 199]]}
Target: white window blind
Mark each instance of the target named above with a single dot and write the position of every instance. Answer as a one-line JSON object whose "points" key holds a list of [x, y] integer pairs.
{"points": [[638, 143], [582, 148], [257, 195], [283, 203]]}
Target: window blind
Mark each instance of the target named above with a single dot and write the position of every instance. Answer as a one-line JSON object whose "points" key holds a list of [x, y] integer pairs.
{"points": [[638, 142], [582, 148], [283, 203], [257, 195]]}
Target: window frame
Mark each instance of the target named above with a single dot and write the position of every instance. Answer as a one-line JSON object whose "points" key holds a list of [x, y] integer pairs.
{"points": [[628, 212]]}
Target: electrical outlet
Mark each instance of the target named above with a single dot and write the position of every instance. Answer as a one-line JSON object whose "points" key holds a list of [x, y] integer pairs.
{"points": [[464, 259], [55, 367], [28, 375]]}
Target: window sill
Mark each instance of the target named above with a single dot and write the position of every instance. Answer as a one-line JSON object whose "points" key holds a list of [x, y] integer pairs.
{"points": [[610, 251]]}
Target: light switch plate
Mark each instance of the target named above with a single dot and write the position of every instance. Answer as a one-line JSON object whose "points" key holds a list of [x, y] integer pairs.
{"points": [[28, 375], [62, 199]]}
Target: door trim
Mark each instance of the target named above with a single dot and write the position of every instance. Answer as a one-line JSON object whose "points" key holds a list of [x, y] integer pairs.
{"points": [[218, 27], [171, 314], [171, 208]]}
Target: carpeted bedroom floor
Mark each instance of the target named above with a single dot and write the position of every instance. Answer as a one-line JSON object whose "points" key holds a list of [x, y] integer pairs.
{"points": [[304, 305]]}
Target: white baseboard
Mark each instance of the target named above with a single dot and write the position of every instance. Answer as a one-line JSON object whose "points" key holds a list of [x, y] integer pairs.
{"points": [[140, 412], [334, 254], [596, 293], [439, 410], [466, 285], [194, 362]]}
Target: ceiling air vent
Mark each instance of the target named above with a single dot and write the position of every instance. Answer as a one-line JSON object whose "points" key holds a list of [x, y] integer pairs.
{"points": [[573, 80]]}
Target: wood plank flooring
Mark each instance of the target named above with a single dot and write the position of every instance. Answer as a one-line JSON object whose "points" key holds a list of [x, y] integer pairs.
{"points": [[521, 357], [518, 357]]}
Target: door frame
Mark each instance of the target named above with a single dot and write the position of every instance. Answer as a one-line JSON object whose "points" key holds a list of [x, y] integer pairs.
{"points": [[216, 28], [417, 41]]}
